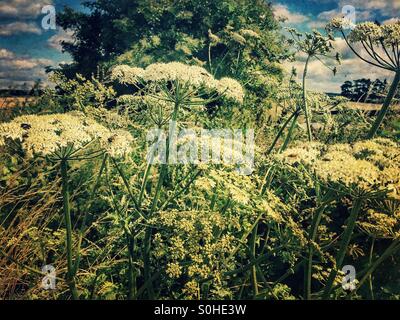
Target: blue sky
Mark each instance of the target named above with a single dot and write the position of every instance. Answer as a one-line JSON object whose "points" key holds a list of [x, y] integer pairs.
{"points": [[26, 48]]}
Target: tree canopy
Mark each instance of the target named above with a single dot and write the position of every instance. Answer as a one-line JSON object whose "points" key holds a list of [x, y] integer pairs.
{"points": [[227, 36]]}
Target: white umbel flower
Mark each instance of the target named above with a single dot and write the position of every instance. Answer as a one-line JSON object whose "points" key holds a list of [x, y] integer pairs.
{"points": [[194, 76], [45, 134]]}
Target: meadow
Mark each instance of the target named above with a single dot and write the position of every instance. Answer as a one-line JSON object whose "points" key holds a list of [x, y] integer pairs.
{"points": [[309, 207]]}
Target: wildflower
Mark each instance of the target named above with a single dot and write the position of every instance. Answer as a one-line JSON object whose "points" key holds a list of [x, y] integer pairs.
{"points": [[380, 44], [391, 33], [214, 39], [126, 74], [192, 289], [238, 38], [174, 270], [381, 225], [231, 89], [194, 76], [45, 134], [249, 33], [307, 154], [339, 23], [365, 31], [347, 170], [370, 164]]}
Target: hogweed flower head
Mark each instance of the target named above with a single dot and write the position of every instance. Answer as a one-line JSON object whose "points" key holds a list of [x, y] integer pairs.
{"points": [[379, 42], [249, 33], [46, 135], [339, 23], [366, 31], [193, 77], [370, 165], [382, 224]]}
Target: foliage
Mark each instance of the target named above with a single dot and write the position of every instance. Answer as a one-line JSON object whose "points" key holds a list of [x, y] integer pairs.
{"points": [[78, 190]]}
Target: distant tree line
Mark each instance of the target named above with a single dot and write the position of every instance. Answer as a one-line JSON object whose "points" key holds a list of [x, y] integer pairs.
{"points": [[366, 90]]}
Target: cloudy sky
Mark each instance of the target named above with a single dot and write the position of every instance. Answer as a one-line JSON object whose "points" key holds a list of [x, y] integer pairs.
{"points": [[26, 48]]}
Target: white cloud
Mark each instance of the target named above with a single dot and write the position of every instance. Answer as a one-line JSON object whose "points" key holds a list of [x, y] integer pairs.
{"points": [[364, 10], [391, 20], [62, 36], [23, 9], [19, 70], [322, 79], [282, 11], [19, 27], [6, 54], [324, 17], [384, 7]]}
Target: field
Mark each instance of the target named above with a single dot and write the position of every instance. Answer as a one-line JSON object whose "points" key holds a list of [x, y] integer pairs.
{"points": [[12, 102], [370, 106]]}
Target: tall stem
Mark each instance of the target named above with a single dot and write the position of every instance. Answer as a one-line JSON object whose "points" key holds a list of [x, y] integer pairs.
{"points": [[306, 111], [88, 205], [290, 133], [254, 268], [385, 106], [280, 132], [371, 251], [312, 236], [394, 246], [343, 247], [132, 275], [149, 231], [70, 278]]}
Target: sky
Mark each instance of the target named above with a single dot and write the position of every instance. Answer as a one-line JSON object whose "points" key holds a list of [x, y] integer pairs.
{"points": [[26, 48]]}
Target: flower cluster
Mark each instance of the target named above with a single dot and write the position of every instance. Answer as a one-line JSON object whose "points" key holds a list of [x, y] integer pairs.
{"points": [[249, 33], [382, 224], [193, 76], [126, 74], [46, 134], [369, 165], [388, 33], [366, 30], [147, 101], [243, 192], [339, 23], [313, 44], [391, 33], [178, 241]]}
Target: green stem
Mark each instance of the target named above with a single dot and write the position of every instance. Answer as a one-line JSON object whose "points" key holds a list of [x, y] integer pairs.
{"points": [[131, 275], [385, 106], [343, 247], [70, 278], [290, 133], [163, 173], [395, 245], [306, 111], [280, 132], [126, 183], [88, 205], [371, 251], [253, 253], [313, 235], [146, 263], [145, 178]]}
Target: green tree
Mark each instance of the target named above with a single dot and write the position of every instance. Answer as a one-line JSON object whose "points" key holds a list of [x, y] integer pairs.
{"points": [[145, 31]]}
